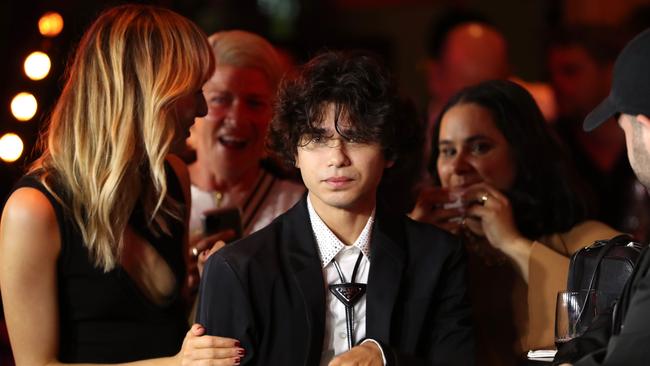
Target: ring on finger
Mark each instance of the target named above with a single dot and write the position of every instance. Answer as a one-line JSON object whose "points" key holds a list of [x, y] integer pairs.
{"points": [[195, 252], [483, 199]]}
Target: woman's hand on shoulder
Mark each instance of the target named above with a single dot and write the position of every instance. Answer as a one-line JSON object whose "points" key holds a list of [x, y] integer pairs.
{"points": [[199, 349]]}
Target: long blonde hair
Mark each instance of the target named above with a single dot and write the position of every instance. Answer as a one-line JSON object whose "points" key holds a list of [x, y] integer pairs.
{"points": [[114, 122]]}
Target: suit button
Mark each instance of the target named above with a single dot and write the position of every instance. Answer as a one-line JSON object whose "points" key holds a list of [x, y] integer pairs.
{"points": [[343, 335]]}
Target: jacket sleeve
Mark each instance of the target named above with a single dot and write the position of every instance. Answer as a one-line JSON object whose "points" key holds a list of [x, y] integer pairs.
{"points": [[224, 307], [548, 271]]}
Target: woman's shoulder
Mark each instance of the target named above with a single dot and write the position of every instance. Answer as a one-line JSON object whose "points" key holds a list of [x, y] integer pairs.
{"points": [[27, 203], [585, 233], [591, 229], [29, 219]]}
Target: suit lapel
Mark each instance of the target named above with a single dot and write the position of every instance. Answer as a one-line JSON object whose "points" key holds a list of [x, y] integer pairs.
{"points": [[306, 268], [387, 261]]}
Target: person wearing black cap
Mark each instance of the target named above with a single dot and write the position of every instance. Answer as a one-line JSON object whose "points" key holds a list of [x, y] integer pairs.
{"points": [[629, 99], [581, 62]]}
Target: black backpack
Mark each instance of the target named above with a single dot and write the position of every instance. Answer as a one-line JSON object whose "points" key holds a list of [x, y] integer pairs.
{"points": [[604, 266]]}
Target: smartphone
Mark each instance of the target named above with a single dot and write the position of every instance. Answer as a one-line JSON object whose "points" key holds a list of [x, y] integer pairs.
{"points": [[221, 219]]}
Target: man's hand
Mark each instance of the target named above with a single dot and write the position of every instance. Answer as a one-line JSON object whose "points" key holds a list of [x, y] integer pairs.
{"points": [[365, 354]]}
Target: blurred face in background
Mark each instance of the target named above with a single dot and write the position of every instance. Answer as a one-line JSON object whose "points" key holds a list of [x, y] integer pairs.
{"points": [[229, 140], [472, 53], [579, 81], [473, 150]]}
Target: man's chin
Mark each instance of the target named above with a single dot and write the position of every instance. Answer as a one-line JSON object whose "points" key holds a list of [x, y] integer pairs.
{"points": [[347, 201]]}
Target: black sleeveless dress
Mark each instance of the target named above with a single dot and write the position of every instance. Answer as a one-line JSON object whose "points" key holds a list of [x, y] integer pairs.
{"points": [[104, 317]]}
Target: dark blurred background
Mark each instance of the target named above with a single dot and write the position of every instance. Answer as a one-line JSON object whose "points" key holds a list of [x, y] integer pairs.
{"points": [[399, 30]]}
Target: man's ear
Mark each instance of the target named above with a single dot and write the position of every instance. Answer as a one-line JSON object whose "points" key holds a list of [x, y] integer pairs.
{"points": [[644, 120]]}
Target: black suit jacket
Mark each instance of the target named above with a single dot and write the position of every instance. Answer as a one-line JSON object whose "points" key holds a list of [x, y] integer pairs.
{"points": [[267, 291]]}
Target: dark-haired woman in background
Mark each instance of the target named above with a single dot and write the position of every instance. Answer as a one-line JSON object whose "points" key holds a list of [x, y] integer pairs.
{"points": [[504, 184]]}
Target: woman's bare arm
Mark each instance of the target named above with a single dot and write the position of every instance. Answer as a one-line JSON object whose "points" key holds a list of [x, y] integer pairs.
{"points": [[30, 244], [29, 247]]}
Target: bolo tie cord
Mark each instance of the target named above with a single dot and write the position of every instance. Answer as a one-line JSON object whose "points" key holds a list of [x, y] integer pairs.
{"points": [[348, 293]]}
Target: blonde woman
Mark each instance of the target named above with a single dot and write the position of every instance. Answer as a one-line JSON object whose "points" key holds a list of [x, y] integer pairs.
{"points": [[91, 239]]}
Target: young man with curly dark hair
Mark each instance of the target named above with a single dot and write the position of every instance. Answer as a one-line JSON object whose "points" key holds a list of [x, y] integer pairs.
{"points": [[342, 279]]}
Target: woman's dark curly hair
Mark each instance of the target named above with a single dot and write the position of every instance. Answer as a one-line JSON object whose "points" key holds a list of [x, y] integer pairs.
{"points": [[546, 196], [365, 98]]}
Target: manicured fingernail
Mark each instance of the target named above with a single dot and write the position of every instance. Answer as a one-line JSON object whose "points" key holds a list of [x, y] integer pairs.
{"points": [[237, 360], [241, 352], [237, 344]]}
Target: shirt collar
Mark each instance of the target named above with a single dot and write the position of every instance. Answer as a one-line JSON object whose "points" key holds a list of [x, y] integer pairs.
{"points": [[328, 244]]}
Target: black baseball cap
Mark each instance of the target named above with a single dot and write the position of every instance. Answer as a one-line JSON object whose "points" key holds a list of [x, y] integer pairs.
{"points": [[630, 93]]}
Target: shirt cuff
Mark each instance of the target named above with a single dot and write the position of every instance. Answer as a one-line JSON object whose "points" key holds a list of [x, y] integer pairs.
{"points": [[383, 356]]}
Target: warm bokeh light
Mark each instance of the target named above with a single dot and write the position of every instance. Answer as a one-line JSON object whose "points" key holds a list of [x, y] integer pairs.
{"points": [[37, 65], [11, 147], [50, 24], [24, 106]]}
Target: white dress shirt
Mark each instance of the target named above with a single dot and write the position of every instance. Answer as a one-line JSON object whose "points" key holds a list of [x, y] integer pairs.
{"points": [[335, 340]]}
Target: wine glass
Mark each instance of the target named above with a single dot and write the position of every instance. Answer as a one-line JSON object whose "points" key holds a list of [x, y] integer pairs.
{"points": [[573, 314]]}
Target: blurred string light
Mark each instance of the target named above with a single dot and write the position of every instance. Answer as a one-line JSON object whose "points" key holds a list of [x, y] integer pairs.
{"points": [[24, 106], [50, 24], [37, 65], [11, 147]]}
